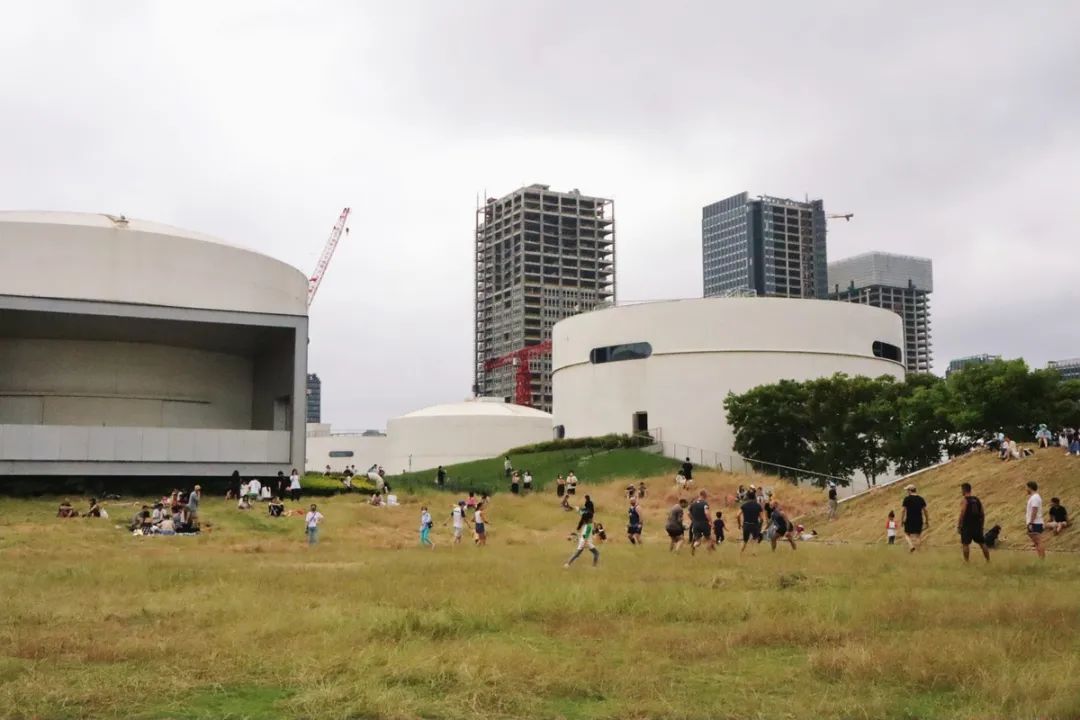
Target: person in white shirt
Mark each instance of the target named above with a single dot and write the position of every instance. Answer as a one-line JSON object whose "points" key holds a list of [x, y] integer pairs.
{"points": [[311, 524], [242, 501], [571, 483], [526, 481], [294, 485], [264, 494], [457, 519], [1034, 518], [254, 488]]}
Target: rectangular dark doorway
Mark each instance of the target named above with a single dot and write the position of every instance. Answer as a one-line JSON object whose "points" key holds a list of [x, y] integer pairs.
{"points": [[641, 422]]}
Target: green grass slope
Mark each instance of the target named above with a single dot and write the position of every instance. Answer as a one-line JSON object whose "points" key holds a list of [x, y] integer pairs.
{"points": [[999, 485], [590, 466]]}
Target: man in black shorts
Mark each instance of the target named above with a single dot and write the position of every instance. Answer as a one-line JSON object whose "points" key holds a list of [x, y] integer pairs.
{"points": [[699, 522], [914, 517], [674, 527], [633, 524], [750, 521], [970, 523]]}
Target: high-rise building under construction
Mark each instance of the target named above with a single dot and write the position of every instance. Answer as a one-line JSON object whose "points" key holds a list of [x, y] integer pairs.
{"points": [[895, 282], [541, 256]]}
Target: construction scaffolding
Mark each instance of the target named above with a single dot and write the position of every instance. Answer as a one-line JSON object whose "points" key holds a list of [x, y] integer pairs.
{"points": [[540, 256]]}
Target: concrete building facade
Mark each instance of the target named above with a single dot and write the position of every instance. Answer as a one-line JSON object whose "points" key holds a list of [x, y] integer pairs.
{"points": [[667, 367], [438, 435], [1068, 369], [540, 256], [132, 348], [963, 362], [765, 246], [900, 283], [314, 398]]}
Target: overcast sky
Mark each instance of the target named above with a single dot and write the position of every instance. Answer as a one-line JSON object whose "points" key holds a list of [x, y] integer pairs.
{"points": [[952, 133]]}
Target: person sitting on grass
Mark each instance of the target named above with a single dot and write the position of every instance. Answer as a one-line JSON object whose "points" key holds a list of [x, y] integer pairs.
{"points": [[66, 511], [1059, 516], [139, 518], [276, 508], [376, 500], [95, 510]]}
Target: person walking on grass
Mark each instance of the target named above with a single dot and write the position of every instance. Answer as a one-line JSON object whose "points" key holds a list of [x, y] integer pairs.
{"points": [[526, 483], [890, 528], [750, 520], [515, 480], [585, 540], [1034, 518], [480, 525], [634, 525], [970, 523], [780, 528], [425, 528], [674, 527], [458, 520], [915, 518], [699, 523], [311, 524], [508, 467]]}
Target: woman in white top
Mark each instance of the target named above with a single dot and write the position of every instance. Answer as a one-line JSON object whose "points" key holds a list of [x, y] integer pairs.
{"points": [[480, 526], [311, 524], [294, 485], [1034, 518]]}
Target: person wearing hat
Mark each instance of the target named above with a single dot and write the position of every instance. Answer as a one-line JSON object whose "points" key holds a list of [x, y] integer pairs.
{"points": [[914, 517]]}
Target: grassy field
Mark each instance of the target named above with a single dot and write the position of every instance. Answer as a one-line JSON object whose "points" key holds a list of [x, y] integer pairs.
{"points": [[999, 485], [589, 465], [245, 621]]}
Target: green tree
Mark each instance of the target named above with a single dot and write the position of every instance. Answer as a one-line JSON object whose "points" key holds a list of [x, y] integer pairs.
{"points": [[770, 424]]}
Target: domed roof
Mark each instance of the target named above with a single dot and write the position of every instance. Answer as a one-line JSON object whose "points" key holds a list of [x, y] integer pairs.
{"points": [[486, 407]]}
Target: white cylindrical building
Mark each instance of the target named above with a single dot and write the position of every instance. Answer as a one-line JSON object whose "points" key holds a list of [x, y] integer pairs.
{"points": [[133, 348], [668, 366], [460, 432]]}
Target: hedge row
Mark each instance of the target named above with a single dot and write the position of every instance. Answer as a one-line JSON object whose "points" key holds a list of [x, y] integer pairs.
{"points": [[613, 441]]}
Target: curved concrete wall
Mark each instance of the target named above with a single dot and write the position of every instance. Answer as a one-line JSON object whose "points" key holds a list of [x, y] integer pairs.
{"points": [[92, 257], [77, 382], [701, 351], [446, 439]]}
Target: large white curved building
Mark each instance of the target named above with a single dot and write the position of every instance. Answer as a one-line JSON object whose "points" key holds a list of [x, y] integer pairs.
{"points": [[460, 432], [132, 348], [668, 366]]}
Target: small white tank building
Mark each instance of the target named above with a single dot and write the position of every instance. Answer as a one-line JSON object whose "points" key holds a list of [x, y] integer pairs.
{"points": [[460, 432], [668, 366], [133, 348]]}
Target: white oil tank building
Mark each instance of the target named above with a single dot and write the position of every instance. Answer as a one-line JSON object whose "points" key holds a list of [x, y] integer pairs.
{"points": [[668, 366], [133, 348], [460, 432]]}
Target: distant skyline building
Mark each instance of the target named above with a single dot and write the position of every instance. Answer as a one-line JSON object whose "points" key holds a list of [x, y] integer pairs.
{"points": [[541, 256], [963, 362], [769, 246], [314, 398], [1069, 369], [900, 283]]}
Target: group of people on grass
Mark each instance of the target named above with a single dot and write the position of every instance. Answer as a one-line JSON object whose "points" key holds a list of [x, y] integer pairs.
{"points": [[67, 510], [174, 514], [971, 521], [249, 492], [468, 513]]}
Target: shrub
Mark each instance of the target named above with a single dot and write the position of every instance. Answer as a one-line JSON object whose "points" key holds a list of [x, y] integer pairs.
{"points": [[613, 441]]}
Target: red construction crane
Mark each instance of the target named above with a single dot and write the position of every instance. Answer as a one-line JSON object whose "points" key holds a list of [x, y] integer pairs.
{"points": [[328, 252], [522, 376]]}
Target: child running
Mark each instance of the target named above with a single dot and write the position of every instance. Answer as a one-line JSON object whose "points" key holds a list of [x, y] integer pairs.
{"points": [[585, 541], [480, 526], [634, 524], [425, 528], [718, 526], [457, 519]]}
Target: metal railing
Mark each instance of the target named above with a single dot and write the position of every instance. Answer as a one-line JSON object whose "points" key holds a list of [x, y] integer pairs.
{"points": [[735, 463]]}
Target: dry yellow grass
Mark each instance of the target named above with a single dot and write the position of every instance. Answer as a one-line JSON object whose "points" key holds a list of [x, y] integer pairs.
{"points": [[247, 622], [999, 485]]}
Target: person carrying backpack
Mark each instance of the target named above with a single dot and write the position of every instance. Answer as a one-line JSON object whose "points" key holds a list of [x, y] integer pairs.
{"points": [[970, 523]]}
